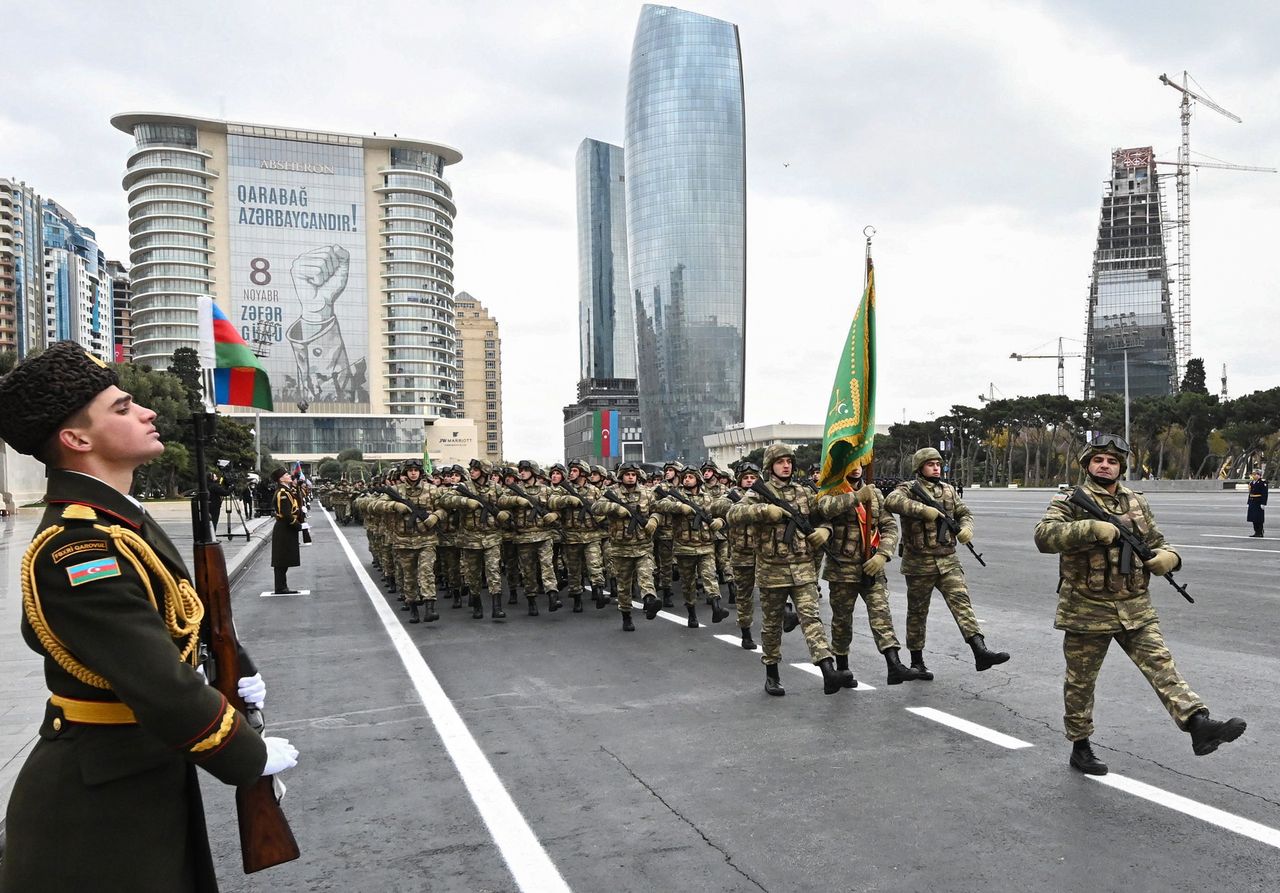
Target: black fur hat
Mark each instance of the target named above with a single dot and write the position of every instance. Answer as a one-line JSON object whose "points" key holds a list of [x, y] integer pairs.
{"points": [[44, 391]]}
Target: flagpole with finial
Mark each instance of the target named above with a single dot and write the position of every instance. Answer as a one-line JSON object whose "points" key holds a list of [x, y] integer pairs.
{"points": [[868, 472]]}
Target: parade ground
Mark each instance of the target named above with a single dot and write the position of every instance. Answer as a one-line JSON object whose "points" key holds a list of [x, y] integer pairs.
{"points": [[559, 753]]}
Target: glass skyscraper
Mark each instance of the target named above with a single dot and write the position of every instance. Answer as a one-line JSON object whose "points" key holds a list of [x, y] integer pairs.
{"points": [[686, 227], [1129, 302], [606, 317]]}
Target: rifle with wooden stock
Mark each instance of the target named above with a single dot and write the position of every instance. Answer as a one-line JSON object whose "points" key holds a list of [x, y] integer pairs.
{"points": [[265, 836]]}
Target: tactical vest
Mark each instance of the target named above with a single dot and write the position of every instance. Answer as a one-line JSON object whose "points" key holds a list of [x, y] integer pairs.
{"points": [[683, 529], [771, 544], [1097, 569], [921, 537], [408, 533]]}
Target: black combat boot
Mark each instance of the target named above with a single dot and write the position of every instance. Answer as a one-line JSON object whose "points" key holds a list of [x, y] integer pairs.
{"points": [[514, 597], [898, 674], [457, 596], [495, 605], [790, 619], [846, 675], [733, 593], [597, 593], [627, 625], [613, 586], [413, 613], [667, 601], [553, 601], [748, 643], [1082, 758], [772, 683], [917, 664], [693, 616], [718, 613], [832, 680], [1207, 734], [651, 606], [984, 658], [533, 605], [477, 607], [577, 602], [404, 603], [430, 615]]}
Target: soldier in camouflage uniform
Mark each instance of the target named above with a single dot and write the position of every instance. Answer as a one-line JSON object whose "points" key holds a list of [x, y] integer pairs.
{"points": [[631, 529], [863, 536], [694, 544], [784, 567], [1098, 603], [510, 548], [531, 522], [448, 556], [416, 542], [714, 487], [742, 551], [929, 560], [580, 529], [598, 477], [479, 536], [663, 546]]}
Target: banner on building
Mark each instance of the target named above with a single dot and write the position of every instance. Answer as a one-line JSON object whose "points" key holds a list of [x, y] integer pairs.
{"points": [[607, 439], [298, 266]]}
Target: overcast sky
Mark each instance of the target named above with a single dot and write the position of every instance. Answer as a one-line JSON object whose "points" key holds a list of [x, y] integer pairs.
{"points": [[974, 136]]}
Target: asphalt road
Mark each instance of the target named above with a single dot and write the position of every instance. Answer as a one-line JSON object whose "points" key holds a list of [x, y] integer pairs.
{"points": [[558, 752]]}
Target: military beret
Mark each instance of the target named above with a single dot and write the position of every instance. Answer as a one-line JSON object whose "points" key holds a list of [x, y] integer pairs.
{"points": [[44, 391]]}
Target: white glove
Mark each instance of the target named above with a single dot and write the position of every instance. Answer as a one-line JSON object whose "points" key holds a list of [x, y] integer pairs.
{"points": [[252, 690], [281, 755]]}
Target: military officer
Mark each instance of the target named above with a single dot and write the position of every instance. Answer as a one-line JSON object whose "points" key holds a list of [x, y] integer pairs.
{"points": [[784, 567], [284, 535], [479, 536], [108, 798], [694, 544], [1097, 603], [631, 528], [863, 537], [929, 560], [742, 551]]}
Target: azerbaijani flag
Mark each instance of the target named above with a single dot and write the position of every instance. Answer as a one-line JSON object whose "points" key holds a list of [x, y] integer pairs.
{"points": [[239, 378], [850, 430], [606, 439]]}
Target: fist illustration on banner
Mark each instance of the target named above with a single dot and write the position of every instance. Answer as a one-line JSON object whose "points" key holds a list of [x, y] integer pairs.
{"points": [[319, 277]]}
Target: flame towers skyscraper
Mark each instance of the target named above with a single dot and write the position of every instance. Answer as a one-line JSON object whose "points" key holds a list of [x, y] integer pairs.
{"points": [[686, 227]]}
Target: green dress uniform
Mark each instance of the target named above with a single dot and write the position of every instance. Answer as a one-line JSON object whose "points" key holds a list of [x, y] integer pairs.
{"points": [[108, 799]]}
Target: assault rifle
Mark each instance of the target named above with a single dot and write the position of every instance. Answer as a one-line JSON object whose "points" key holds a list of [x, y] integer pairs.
{"points": [[635, 523], [587, 505], [265, 836], [487, 508], [945, 522], [420, 514], [795, 520], [1131, 542], [700, 517], [538, 509]]}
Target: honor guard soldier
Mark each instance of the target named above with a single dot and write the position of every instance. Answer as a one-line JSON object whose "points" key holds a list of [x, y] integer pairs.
{"points": [[284, 534], [479, 536], [1100, 600], [785, 565], [929, 559], [632, 523], [742, 551], [1257, 513], [108, 798], [693, 533], [863, 537]]}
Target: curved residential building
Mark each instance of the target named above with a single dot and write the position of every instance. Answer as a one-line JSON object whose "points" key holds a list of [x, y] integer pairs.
{"points": [[332, 254], [686, 227]]}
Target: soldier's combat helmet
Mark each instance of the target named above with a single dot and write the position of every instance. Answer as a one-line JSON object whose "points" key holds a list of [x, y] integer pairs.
{"points": [[411, 463], [558, 468], [44, 391], [746, 468], [526, 464], [628, 466], [578, 464], [1112, 444], [775, 451], [600, 470], [458, 470], [691, 472], [485, 466], [924, 455]]}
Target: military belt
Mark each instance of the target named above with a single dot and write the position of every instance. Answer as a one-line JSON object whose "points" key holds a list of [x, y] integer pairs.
{"points": [[96, 713]]}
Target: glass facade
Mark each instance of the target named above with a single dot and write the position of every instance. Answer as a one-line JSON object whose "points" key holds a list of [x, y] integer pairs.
{"points": [[291, 435], [1129, 302], [77, 287], [606, 319], [686, 227]]}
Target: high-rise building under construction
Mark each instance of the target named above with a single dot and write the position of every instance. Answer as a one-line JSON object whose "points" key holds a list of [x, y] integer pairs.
{"points": [[1130, 319]]}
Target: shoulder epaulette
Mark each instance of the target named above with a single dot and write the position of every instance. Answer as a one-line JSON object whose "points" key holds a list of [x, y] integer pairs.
{"points": [[77, 512]]}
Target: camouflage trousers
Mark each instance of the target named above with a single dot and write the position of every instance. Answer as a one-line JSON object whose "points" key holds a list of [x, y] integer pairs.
{"points": [[664, 559], [580, 558], [511, 563], [695, 569], [536, 564], [630, 572], [744, 576], [606, 558], [723, 567], [483, 563], [416, 573], [920, 591], [844, 598], [1146, 648], [387, 560], [805, 598], [448, 567]]}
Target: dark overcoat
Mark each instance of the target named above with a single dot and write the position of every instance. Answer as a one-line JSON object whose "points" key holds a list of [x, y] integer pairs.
{"points": [[116, 806], [285, 551], [1257, 499]]}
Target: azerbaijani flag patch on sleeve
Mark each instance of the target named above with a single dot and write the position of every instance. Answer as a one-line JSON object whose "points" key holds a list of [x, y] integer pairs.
{"points": [[89, 571]]}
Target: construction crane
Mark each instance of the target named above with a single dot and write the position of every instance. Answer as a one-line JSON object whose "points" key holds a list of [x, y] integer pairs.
{"points": [[991, 393], [1184, 163], [1059, 356]]}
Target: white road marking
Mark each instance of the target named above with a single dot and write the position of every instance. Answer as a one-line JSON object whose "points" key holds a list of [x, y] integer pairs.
{"points": [[736, 641], [815, 671], [971, 728], [1232, 536], [666, 615], [283, 594], [1226, 548], [526, 859], [1210, 814]]}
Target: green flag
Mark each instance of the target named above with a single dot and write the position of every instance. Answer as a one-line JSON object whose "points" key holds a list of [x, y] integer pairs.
{"points": [[850, 430]]}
